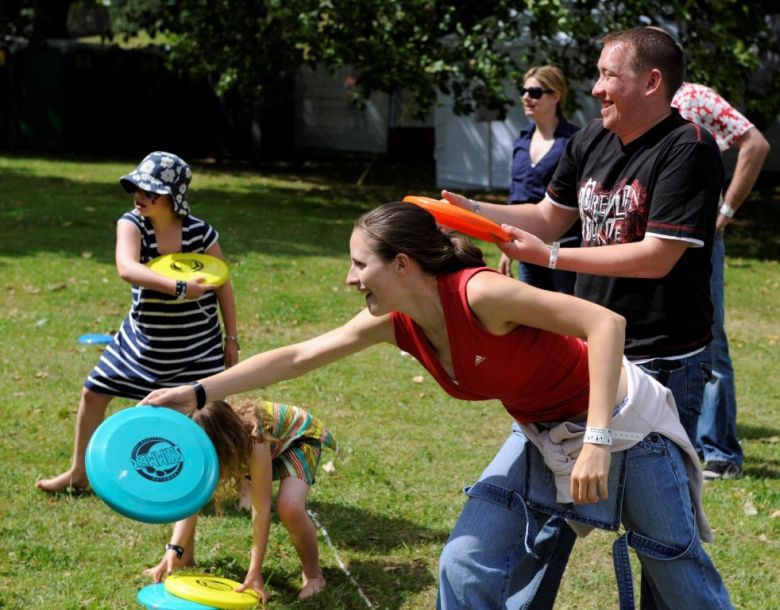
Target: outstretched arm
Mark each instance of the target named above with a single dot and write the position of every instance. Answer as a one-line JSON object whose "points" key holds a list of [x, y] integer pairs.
{"points": [[282, 363], [544, 220]]}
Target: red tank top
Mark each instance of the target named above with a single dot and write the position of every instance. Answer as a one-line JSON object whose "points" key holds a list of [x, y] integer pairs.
{"points": [[537, 375]]}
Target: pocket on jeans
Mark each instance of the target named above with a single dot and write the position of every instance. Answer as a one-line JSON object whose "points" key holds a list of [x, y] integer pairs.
{"points": [[652, 444], [496, 494]]}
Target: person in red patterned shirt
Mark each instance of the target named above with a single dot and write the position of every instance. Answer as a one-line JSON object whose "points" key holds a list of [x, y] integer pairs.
{"points": [[716, 436]]}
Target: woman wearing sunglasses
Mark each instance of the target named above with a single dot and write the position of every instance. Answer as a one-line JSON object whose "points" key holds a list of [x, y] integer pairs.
{"points": [[534, 159]]}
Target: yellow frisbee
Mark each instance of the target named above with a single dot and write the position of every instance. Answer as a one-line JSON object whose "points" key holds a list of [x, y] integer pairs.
{"points": [[188, 266], [210, 590]]}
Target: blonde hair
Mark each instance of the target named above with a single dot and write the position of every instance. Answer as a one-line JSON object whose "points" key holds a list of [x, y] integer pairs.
{"points": [[551, 77]]}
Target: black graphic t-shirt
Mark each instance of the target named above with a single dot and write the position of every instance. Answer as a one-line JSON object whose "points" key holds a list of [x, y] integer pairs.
{"points": [[667, 184]]}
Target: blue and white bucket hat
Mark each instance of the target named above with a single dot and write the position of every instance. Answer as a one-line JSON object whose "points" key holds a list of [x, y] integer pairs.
{"points": [[165, 174]]}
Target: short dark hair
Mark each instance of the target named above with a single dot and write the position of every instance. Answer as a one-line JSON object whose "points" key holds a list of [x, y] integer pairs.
{"points": [[397, 227], [651, 47]]}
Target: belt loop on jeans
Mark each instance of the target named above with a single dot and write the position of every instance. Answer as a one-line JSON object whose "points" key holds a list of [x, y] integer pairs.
{"points": [[531, 532], [645, 546], [622, 563]]}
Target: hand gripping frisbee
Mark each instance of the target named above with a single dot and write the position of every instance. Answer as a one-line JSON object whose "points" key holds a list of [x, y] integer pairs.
{"points": [[188, 266], [210, 590], [461, 220], [155, 597], [152, 464]]}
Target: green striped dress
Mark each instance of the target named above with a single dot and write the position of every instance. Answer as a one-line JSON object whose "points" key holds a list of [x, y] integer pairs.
{"points": [[301, 439]]}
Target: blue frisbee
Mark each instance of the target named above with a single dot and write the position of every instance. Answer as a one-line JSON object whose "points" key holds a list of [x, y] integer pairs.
{"points": [[96, 339], [152, 464], [156, 597]]}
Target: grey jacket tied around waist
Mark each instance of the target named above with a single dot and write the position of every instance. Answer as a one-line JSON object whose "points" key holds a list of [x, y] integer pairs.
{"points": [[649, 407]]}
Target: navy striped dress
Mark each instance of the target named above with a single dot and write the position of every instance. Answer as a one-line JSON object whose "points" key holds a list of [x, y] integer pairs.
{"points": [[162, 342]]}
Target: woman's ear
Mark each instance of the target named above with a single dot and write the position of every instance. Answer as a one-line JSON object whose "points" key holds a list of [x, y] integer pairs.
{"points": [[401, 263]]}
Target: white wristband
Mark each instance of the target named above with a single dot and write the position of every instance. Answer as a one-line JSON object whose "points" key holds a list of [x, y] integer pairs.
{"points": [[556, 245], [727, 210], [597, 436], [474, 206]]}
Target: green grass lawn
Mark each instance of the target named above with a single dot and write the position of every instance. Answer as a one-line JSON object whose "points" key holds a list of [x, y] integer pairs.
{"points": [[407, 450]]}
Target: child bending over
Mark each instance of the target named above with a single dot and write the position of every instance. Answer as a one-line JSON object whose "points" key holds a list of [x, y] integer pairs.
{"points": [[271, 441]]}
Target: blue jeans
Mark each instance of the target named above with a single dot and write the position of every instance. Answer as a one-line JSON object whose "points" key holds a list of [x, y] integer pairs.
{"points": [[486, 563], [686, 378], [716, 435]]}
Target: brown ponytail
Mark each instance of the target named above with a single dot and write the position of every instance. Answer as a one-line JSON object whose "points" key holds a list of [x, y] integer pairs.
{"points": [[404, 227]]}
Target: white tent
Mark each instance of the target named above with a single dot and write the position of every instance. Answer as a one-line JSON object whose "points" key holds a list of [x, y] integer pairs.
{"points": [[474, 152], [327, 117]]}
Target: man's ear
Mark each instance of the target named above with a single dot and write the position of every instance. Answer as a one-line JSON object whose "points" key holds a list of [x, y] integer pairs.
{"points": [[654, 81]]}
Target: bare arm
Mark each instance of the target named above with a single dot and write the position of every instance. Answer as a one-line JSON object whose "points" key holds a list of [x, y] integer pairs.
{"points": [[184, 536], [282, 363], [227, 308], [131, 270], [653, 257], [544, 220], [753, 150], [502, 303], [260, 471]]}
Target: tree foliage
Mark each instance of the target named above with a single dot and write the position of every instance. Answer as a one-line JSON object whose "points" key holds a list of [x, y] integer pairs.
{"points": [[35, 20], [468, 48]]}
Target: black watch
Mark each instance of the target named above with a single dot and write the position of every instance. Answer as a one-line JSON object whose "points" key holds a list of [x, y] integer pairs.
{"points": [[175, 547]]}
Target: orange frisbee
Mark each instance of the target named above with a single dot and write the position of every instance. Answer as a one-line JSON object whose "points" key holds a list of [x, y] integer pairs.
{"points": [[461, 220]]}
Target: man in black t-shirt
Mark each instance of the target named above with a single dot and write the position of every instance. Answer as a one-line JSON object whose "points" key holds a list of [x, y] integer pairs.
{"points": [[657, 193], [646, 185]]}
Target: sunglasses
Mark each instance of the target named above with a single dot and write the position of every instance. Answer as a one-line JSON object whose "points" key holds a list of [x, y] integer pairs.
{"points": [[534, 92], [148, 194]]}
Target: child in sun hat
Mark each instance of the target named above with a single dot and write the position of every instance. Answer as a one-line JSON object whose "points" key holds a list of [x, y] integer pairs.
{"points": [[270, 441], [172, 333]]}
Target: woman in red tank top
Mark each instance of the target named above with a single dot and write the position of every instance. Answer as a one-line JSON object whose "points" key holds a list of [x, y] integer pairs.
{"points": [[546, 356]]}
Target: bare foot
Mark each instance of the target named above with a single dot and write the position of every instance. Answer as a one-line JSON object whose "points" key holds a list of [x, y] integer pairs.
{"points": [[63, 482], [311, 588]]}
